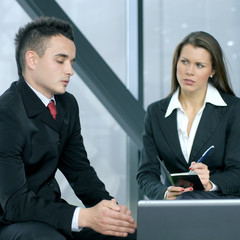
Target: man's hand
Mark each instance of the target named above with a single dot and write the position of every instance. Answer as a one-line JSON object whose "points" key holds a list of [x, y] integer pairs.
{"points": [[108, 218]]}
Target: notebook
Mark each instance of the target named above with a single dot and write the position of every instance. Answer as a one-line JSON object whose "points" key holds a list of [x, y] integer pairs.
{"points": [[188, 220], [185, 179]]}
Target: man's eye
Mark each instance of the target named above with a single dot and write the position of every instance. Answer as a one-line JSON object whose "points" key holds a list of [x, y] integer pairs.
{"points": [[59, 61]]}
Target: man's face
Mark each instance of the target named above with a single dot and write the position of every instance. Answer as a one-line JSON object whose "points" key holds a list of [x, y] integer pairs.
{"points": [[53, 70]]}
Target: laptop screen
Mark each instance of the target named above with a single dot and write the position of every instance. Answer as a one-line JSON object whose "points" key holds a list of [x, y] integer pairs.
{"points": [[188, 220]]}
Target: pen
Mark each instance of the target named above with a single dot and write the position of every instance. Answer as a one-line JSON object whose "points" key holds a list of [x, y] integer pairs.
{"points": [[205, 154]]}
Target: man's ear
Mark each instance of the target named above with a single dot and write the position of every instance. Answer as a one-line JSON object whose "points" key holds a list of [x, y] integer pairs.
{"points": [[31, 59]]}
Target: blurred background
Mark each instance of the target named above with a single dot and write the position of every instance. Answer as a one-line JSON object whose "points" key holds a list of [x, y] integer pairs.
{"points": [[112, 27]]}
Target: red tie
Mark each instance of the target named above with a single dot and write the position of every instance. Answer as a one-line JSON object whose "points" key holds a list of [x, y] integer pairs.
{"points": [[52, 108]]}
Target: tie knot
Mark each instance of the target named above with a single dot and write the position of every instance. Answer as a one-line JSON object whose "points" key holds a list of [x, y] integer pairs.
{"points": [[52, 108]]}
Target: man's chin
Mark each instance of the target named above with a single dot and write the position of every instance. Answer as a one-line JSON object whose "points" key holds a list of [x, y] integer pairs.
{"points": [[60, 92]]}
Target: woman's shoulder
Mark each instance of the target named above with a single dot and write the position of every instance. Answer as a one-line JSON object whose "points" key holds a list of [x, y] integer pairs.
{"points": [[230, 99]]}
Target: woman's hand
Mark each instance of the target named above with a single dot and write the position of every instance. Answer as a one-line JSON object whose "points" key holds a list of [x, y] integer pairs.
{"points": [[173, 192], [203, 173]]}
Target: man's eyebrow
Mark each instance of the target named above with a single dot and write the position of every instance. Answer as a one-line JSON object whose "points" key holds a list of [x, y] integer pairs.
{"points": [[62, 55]]}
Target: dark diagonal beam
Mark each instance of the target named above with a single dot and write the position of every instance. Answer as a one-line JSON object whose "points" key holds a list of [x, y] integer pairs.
{"points": [[96, 73]]}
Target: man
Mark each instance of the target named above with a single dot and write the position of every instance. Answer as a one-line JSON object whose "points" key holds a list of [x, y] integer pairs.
{"points": [[40, 133]]}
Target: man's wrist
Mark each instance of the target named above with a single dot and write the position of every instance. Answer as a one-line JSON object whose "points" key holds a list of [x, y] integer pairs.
{"points": [[82, 218]]}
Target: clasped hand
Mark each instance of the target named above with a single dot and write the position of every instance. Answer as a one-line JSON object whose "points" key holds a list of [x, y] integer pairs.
{"points": [[108, 218]]}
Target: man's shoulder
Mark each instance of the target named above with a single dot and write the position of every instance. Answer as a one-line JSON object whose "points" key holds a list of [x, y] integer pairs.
{"points": [[10, 95]]}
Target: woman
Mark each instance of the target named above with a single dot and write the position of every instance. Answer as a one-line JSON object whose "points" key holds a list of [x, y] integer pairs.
{"points": [[201, 110]]}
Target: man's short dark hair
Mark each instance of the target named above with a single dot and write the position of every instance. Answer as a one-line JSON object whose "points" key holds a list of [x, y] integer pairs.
{"points": [[35, 36]]}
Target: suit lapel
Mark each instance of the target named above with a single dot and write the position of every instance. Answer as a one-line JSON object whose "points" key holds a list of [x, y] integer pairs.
{"points": [[169, 128], [49, 120], [60, 112], [210, 119], [34, 106]]}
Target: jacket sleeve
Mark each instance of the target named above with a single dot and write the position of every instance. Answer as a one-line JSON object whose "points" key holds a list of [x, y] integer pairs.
{"points": [[148, 175], [75, 166], [225, 169]]}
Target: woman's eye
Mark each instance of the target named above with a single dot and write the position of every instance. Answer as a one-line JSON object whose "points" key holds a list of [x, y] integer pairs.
{"points": [[200, 65], [184, 61]]}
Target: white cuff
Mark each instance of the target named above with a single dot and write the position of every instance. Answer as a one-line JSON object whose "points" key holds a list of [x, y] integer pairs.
{"points": [[75, 227], [214, 187]]}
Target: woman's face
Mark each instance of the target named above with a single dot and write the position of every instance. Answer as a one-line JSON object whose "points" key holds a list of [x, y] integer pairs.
{"points": [[194, 67]]}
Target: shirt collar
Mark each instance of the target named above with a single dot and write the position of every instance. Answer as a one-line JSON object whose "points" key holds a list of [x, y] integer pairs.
{"points": [[173, 104], [212, 96], [44, 99]]}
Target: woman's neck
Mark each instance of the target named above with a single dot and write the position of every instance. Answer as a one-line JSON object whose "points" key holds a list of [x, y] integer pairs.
{"points": [[192, 101]]}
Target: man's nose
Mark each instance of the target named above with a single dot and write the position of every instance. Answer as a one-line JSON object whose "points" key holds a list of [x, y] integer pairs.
{"points": [[69, 69]]}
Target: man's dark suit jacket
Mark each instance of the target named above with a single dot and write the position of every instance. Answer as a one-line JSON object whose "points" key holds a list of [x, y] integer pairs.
{"points": [[32, 147], [219, 126]]}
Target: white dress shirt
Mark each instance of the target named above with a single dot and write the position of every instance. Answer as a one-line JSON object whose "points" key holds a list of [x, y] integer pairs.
{"points": [[46, 101], [186, 142]]}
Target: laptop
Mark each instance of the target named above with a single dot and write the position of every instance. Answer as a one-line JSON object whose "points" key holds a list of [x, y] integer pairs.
{"points": [[188, 219]]}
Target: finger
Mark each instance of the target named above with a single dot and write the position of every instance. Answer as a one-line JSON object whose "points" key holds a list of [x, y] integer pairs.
{"points": [[115, 234], [198, 166], [116, 224], [118, 231], [202, 172], [174, 194], [195, 166], [111, 212], [124, 217], [175, 189], [117, 228], [125, 210], [128, 212], [112, 204], [122, 224], [192, 164]]}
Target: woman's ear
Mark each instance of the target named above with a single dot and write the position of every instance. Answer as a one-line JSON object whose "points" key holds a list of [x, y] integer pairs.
{"points": [[213, 72]]}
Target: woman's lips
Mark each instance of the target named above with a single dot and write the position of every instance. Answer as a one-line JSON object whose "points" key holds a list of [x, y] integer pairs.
{"points": [[188, 81]]}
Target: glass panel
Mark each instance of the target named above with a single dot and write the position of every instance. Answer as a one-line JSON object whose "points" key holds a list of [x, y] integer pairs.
{"points": [[168, 22], [103, 23], [12, 17]]}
